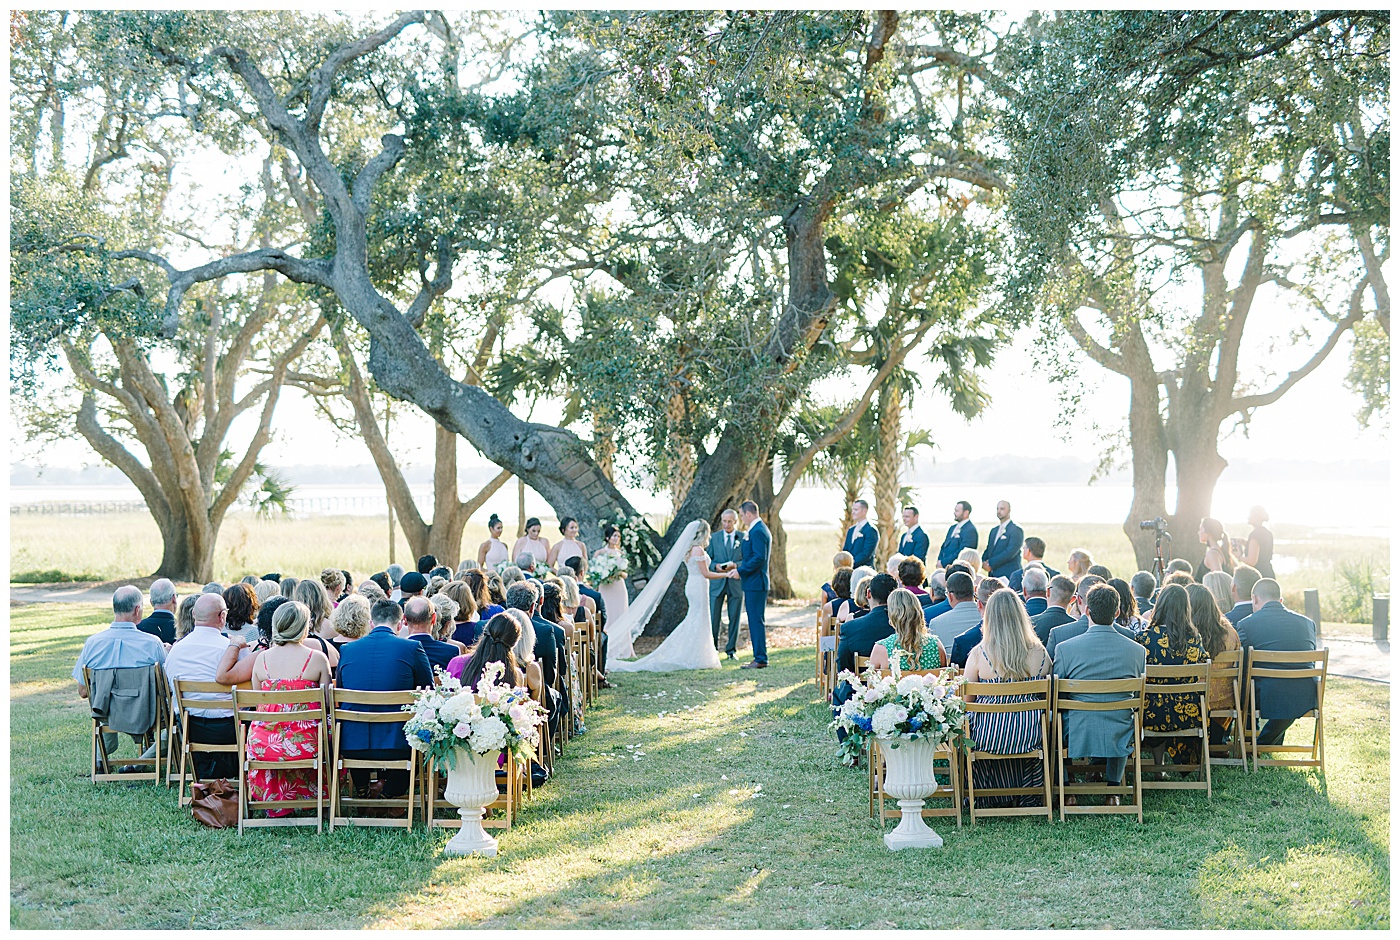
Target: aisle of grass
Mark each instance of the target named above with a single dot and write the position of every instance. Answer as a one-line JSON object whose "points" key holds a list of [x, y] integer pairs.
{"points": [[700, 800]]}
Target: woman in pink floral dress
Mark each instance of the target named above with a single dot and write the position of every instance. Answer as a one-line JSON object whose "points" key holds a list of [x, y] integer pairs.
{"points": [[287, 666]]}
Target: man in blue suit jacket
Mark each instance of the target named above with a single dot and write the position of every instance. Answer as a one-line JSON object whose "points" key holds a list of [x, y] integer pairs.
{"points": [[915, 540], [1242, 591], [725, 551], [1034, 586], [381, 661], [860, 634], [420, 616], [1274, 627], [861, 538], [1032, 550], [753, 575], [1002, 556], [961, 534], [1055, 614]]}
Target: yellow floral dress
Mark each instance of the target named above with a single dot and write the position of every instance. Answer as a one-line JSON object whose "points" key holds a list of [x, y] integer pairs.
{"points": [[1165, 712]]}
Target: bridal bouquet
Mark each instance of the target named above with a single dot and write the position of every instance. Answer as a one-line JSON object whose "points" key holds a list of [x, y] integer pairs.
{"points": [[541, 569], [605, 568], [497, 717], [891, 708]]}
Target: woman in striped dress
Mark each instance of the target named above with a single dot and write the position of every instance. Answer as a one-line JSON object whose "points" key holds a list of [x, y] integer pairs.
{"points": [[1009, 652]]}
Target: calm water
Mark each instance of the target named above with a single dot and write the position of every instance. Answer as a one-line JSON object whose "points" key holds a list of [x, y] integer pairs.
{"points": [[1354, 507]]}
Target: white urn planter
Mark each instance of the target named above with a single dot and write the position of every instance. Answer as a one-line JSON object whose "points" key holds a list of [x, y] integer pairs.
{"points": [[909, 779], [471, 787]]}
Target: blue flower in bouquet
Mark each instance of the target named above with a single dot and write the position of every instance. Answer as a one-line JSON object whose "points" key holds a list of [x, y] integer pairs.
{"points": [[915, 723], [861, 722], [424, 734]]}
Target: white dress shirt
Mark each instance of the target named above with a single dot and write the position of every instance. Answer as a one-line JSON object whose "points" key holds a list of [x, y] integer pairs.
{"points": [[196, 658]]}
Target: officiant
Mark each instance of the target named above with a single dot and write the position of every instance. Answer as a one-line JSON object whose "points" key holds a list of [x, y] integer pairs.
{"points": [[724, 554]]}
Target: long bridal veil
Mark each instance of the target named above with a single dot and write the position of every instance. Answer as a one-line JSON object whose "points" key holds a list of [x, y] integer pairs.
{"points": [[641, 609]]}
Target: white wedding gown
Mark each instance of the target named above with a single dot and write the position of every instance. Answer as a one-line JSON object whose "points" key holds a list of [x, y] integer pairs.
{"points": [[691, 645]]}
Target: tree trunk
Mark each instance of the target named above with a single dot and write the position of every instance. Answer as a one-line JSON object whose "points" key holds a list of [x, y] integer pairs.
{"points": [[886, 471], [682, 457], [780, 584], [849, 494], [1198, 469]]}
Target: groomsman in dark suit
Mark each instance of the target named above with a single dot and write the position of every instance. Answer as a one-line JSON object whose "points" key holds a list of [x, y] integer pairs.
{"points": [[724, 554], [1002, 556], [915, 540], [1034, 550], [861, 538], [961, 534]]}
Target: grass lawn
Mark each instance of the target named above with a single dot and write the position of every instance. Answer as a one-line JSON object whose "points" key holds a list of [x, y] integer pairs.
{"points": [[736, 815]]}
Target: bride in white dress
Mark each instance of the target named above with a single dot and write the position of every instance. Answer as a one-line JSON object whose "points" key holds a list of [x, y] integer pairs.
{"points": [[691, 645]]}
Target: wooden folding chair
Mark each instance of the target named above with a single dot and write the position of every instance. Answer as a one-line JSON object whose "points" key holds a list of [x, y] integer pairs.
{"points": [[1133, 703], [977, 705], [252, 707], [341, 765], [951, 791], [184, 689], [174, 742], [1269, 664], [546, 745], [1229, 665], [827, 658], [499, 814], [1168, 680], [101, 764]]}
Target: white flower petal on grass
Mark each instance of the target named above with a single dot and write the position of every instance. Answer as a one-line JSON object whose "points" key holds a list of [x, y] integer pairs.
{"points": [[733, 792]]}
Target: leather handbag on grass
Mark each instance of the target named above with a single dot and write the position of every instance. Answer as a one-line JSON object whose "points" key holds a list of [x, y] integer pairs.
{"points": [[215, 804]]}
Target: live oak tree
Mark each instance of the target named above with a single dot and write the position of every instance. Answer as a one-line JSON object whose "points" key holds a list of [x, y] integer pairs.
{"points": [[88, 230], [1239, 157]]}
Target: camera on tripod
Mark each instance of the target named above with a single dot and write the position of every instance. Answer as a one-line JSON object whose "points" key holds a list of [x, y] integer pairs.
{"points": [[1158, 525]]}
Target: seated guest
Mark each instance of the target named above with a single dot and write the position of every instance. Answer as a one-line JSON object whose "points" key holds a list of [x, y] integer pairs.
{"points": [[1241, 592], [1035, 584], [1144, 587], [242, 612], [910, 573], [1179, 564], [965, 641], [197, 658], [892, 565], [420, 618], [962, 616], [184, 617], [525, 597], [287, 666], [1080, 605], [840, 594], [335, 582], [161, 622], [860, 594], [120, 646], [426, 564], [313, 595], [1078, 564], [1127, 606], [213, 587], [1217, 636], [441, 571], [511, 575], [446, 623], [412, 584], [497, 645], [382, 579], [479, 584], [578, 565], [1101, 653], [371, 591], [1101, 571], [395, 574], [265, 589], [970, 558], [1171, 640], [350, 620], [1032, 552], [1007, 651], [381, 661], [572, 599], [465, 623], [839, 561], [1059, 593], [286, 586], [525, 561], [1182, 578], [1274, 627], [1218, 584], [919, 649], [496, 585], [937, 601], [551, 611], [859, 636]]}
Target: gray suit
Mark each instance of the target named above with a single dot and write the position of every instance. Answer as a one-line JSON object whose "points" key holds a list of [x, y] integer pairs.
{"points": [[949, 626], [1100, 652], [1072, 629], [727, 588]]}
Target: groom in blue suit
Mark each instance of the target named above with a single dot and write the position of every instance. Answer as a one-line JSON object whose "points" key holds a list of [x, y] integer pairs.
{"points": [[725, 550], [961, 534], [753, 575]]}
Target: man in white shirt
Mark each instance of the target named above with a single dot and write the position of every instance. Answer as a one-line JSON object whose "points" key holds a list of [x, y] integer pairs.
{"points": [[196, 658]]}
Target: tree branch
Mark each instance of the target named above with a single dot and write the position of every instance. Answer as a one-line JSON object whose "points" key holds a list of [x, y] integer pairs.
{"points": [[324, 77], [1099, 353]]}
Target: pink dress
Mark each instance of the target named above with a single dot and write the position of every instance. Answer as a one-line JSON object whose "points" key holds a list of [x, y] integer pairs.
{"points": [[289, 740]]}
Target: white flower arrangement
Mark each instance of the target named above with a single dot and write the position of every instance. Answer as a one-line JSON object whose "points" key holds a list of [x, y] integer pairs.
{"points": [[497, 717], [893, 708], [605, 568], [541, 569], [638, 542]]}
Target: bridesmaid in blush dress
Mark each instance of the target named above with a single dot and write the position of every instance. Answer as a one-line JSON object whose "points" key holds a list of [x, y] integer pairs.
{"points": [[615, 595], [531, 542], [493, 551], [570, 546]]}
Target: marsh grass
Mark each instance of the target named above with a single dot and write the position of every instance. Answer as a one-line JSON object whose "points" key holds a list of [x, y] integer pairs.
{"points": [[111, 547], [735, 815]]}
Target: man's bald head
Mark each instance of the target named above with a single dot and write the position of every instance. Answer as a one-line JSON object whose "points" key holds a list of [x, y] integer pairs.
{"points": [[208, 609], [418, 612]]}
